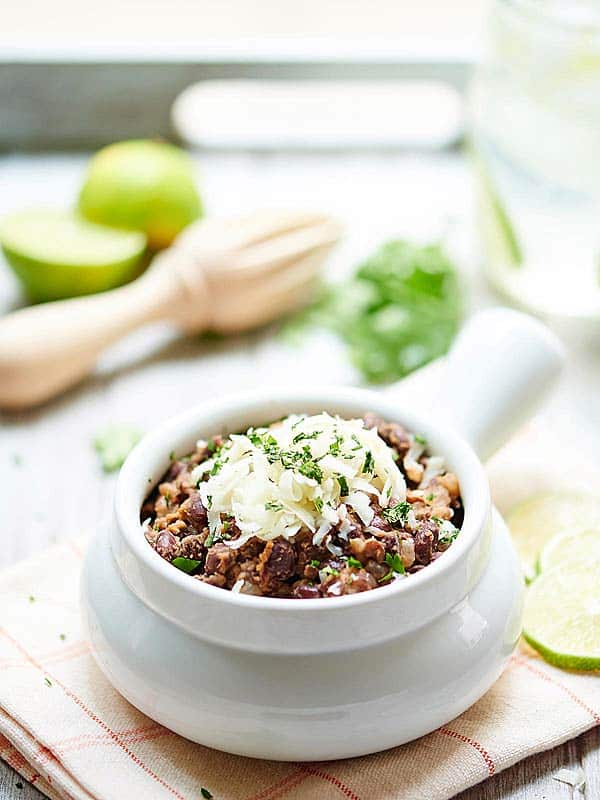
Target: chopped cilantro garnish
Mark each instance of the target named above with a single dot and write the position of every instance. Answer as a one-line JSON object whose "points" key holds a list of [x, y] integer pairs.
{"points": [[62, 637], [319, 504], [395, 564], [430, 497], [369, 466], [420, 439], [398, 514], [355, 438], [328, 571], [311, 469], [172, 455], [315, 563], [343, 485], [208, 542], [334, 447], [354, 562], [47, 681], [31, 598], [185, 564], [114, 444], [301, 436], [271, 505]]}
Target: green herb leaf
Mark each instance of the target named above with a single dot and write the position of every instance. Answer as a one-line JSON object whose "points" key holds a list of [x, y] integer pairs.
{"points": [[114, 444], [271, 505], [310, 469], [396, 515], [299, 437], [400, 310], [420, 439], [205, 793], [369, 466], [319, 504], [343, 485], [185, 564], [47, 681], [395, 563], [315, 563], [354, 562]]}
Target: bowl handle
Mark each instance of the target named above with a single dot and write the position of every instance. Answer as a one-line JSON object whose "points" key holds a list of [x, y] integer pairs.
{"points": [[498, 371]]}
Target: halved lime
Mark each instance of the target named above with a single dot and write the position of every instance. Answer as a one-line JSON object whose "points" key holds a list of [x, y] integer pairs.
{"points": [[562, 615], [535, 521], [570, 546], [58, 254], [142, 185]]}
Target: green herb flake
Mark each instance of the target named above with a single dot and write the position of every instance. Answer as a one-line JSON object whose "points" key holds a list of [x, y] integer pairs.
{"points": [[328, 571], [62, 637], [420, 439], [17, 459], [31, 598], [47, 681], [335, 446], [18, 785], [398, 514], [343, 485], [310, 469], [315, 563], [187, 565], [395, 562], [319, 504], [205, 793], [172, 455], [299, 437], [208, 542], [354, 562], [430, 497], [358, 445], [369, 466], [114, 444], [271, 505]]}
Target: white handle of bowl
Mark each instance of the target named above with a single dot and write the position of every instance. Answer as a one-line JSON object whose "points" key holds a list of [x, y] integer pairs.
{"points": [[502, 365], [499, 370]]}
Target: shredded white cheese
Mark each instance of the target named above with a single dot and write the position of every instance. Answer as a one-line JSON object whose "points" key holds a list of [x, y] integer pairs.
{"points": [[305, 472]]}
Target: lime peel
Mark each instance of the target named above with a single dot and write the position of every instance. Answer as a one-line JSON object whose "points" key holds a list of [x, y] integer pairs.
{"points": [[562, 616]]}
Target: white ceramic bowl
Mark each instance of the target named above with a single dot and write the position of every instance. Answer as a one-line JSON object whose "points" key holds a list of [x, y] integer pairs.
{"points": [[337, 677]]}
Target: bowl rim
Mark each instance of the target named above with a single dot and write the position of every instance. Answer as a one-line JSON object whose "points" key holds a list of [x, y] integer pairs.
{"points": [[160, 440]]}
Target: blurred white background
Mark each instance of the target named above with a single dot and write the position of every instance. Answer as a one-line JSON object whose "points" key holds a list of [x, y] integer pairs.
{"points": [[455, 23]]}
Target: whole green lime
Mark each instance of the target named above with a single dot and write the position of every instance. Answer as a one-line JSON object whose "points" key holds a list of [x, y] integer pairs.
{"points": [[58, 254], [142, 185]]}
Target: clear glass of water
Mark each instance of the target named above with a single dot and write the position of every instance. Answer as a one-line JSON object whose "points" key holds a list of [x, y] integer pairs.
{"points": [[535, 143]]}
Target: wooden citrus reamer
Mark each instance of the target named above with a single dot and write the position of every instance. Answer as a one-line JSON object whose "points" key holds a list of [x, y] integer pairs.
{"points": [[224, 275]]}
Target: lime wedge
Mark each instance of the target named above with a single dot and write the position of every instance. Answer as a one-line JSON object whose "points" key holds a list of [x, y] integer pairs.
{"points": [[562, 615], [570, 546], [537, 520], [58, 254]]}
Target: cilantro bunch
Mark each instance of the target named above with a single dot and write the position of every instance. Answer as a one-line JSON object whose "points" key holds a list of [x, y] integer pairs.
{"points": [[400, 310]]}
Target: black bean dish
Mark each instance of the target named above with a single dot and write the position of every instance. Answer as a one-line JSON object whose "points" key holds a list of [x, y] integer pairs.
{"points": [[311, 506]]}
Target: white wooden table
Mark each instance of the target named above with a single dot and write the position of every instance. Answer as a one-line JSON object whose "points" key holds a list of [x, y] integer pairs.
{"points": [[52, 485]]}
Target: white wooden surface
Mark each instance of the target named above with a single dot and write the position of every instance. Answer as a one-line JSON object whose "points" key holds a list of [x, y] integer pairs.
{"points": [[51, 483]]}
